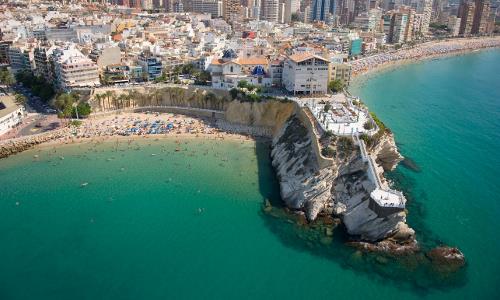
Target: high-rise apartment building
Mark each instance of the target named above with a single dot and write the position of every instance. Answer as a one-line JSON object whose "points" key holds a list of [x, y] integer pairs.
{"points": [[291, 7], [399, 24], [427, 14], [230, 9], [20, 58], [481, 16], [167, 5], [43, 65], [73, 69], [466, 13], [212, 7], [269, 10], [321, 10], [454, 25]]}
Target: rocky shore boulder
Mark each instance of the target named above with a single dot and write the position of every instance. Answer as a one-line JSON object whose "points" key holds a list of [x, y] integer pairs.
{"points": [[446, 259], [388, 246]]}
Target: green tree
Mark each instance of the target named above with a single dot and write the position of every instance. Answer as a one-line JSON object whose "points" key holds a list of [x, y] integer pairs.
{"points": [[234, 93], [84, 110], [242, 84], [20, 99], [336, 85], [64, 104], [203, 77], [6, 77], [327, 107], [187, 69]]}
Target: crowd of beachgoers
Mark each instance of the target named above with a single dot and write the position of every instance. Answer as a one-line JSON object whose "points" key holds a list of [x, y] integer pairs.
{"points": [[148, 124], [128, 124], [423, 51]]}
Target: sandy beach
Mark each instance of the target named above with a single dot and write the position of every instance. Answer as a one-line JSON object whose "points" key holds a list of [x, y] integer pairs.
{"points": [[126, 127], [429, 50], [148, 125]]}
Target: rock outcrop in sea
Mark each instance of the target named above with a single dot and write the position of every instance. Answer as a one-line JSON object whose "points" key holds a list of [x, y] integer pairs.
{"points": [[342, 187]]}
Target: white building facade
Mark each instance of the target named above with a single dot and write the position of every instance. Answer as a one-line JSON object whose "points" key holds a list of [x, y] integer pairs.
{"points": [[306, 74], [73, 69], [11, 114]]}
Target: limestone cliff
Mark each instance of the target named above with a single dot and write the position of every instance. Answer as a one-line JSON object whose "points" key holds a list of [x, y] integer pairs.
{"points": [[303, 184], [271, 114], [351, 194], [386, 152], [342, 188]]}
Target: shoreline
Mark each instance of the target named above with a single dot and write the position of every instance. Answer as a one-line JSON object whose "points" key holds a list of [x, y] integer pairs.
{"points": [[147, 137], [128, 127], [437, 49]]}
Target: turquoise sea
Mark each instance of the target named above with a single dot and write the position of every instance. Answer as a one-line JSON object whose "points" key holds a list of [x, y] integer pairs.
{"points": [[154, 223], [445, 115]]}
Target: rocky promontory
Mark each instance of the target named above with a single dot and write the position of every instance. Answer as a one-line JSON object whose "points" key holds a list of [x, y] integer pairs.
{"points": [[342, 186]]}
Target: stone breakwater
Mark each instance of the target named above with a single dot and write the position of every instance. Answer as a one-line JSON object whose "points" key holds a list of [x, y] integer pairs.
{"points": [[13, 146], [423, 51]]}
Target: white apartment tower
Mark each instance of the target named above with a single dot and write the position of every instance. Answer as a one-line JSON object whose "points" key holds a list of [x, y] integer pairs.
{"points": [[73, 69], [305, 73], [269, 10], [427, 14]]}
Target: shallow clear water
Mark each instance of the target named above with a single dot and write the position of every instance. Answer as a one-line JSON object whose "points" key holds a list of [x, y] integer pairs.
{"points": [[136, 230]]}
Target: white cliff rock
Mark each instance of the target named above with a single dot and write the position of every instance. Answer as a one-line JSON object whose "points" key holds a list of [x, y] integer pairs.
{"points": [[352, 188], [386, 152], [343, 188], [303, 185]]}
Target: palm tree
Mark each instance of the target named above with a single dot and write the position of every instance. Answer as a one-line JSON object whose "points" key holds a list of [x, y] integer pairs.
{"points": [[108, 95], [133, 96], [114, 100], [155, 94], [99, 98], [122, 99]]}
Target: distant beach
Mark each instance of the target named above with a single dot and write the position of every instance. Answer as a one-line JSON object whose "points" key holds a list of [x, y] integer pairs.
{"points": [[429, 50]]}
